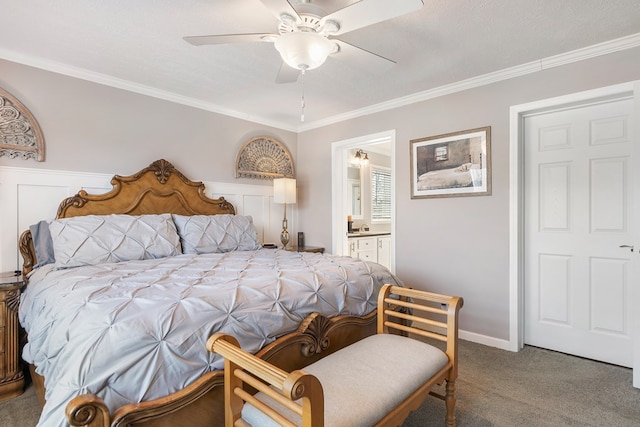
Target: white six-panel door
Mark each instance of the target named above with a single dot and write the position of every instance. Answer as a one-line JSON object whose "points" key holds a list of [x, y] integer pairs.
{"points": [[578, 218]]}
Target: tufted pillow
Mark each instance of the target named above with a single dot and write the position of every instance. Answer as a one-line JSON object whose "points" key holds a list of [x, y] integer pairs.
{"points": [[95, 239], [202, 234]]}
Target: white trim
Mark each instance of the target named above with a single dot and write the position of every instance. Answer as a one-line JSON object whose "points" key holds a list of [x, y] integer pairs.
{"points": [[604, 48], [635, 291], [103, 79], [426, 95], [516, 207], [516, 194], [622, 43], [484, 340], [248, 199], [35, 175], [615, 45]]}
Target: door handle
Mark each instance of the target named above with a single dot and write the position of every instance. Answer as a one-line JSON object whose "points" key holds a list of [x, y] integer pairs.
{"points": [[627, 246]]}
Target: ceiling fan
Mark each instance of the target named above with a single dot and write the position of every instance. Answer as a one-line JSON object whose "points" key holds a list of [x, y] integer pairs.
{"points": [[306, 33]]}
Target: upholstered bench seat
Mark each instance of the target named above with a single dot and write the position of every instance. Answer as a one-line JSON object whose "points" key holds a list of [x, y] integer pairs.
{"points": [[376, 381], [357, 392]]}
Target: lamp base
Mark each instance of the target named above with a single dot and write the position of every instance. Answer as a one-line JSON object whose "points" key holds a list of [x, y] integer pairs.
{"points": [[284, 238]]}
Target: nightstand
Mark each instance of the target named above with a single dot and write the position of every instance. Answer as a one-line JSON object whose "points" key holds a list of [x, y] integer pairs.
{"points": [[315, 249], [11, 375]]}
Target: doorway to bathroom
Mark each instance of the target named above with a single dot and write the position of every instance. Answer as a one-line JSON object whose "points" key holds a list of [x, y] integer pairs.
{"points": [[379, 148]]}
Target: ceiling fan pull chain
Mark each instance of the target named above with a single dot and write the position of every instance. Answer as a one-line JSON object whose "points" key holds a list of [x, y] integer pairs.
{"points": [[302, 104]]}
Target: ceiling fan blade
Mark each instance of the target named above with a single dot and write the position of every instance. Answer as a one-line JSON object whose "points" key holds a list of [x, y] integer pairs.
{"points": [[278, 7], [287, 74], [369, 12], [362, 59], [228, 38]]}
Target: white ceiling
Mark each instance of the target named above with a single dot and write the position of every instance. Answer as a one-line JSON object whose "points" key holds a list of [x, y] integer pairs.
{"points": [[138, 45]]}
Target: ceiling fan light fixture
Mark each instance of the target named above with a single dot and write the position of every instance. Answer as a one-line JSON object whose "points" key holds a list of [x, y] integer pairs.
{"points": [[303, 50]]}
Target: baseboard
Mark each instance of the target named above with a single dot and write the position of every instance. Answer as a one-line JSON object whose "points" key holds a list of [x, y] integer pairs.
{"points": [[485, 340]]}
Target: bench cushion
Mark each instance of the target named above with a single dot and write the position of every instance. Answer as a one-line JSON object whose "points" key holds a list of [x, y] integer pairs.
{"points": [[365, 381]]}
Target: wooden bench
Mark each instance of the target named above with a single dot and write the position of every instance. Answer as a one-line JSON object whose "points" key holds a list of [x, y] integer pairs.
{"points": [[377, 381]]}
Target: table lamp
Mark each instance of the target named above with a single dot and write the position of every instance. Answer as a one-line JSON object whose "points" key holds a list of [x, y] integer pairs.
{"points": [[284, 191]]}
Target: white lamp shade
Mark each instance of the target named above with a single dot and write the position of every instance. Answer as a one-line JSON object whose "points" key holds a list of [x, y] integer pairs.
{"points": [[303, 50], [284, 190]]}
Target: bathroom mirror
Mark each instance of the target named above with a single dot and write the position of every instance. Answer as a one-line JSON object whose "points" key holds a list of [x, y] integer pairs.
{"points": [[355, 192]]}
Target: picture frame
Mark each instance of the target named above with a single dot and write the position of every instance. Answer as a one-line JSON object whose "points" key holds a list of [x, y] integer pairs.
{"points": [[452, 165]]}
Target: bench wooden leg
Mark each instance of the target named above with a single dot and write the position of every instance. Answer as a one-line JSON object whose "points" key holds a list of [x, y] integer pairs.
{"points": [[450, 401]]}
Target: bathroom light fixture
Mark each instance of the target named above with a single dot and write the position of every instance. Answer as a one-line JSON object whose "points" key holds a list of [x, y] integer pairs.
{"points": [[284, 191], [361, 157]]}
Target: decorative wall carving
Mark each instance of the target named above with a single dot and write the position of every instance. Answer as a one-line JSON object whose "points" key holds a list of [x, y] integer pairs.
{"points": [[264, 157], [20, 134]]}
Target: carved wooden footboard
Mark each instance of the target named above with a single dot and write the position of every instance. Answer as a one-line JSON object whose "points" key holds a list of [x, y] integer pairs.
{"points": [[202, 403]]}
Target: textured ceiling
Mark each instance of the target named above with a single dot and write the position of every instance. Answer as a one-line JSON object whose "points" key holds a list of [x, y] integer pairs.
{"points": [[139, 45]]}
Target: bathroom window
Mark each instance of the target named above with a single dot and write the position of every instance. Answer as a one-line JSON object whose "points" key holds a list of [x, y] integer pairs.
{"points": [[380, 194]]}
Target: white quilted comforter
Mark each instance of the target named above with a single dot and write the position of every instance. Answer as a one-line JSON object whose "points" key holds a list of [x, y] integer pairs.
{"points": [[136, 330]]}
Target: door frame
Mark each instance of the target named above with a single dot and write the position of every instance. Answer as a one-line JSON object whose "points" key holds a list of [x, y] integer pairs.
{"points": [[339, 163], [517, 115]]}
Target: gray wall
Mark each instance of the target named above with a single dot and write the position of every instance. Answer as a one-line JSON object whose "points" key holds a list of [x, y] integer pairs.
{"points": [[89, 127], [453, 245]]}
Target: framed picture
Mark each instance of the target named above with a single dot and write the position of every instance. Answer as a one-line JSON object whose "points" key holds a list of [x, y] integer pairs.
{"points": [[452, 165]]}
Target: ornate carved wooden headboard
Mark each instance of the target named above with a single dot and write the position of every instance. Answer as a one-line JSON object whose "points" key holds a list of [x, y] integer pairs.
{"points": [[158, 188]]}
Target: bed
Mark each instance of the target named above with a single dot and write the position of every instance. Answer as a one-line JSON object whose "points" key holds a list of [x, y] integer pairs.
{"points": [[465, 175], [117, 332]]}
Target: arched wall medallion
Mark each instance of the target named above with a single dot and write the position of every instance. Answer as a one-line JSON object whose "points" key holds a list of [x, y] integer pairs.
{"points": [[20, 134], [264, 157]]}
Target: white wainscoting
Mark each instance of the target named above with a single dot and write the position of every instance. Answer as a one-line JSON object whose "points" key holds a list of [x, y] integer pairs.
{"points": [[30, 195]]}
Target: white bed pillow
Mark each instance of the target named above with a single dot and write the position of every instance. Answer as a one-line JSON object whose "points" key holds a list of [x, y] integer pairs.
{"points": [[95, 239], [202, 234]]}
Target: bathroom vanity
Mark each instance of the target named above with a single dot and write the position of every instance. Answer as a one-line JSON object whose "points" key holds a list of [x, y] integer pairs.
{"points": [[371, 246]]}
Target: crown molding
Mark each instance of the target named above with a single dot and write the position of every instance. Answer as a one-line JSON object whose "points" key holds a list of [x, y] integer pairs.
{"points": [[616, 45], [103, 79], [437, 92], [600, 49]]}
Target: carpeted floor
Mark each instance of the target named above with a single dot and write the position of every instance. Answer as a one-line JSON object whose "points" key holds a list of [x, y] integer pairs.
{"points": [[533, 387]]}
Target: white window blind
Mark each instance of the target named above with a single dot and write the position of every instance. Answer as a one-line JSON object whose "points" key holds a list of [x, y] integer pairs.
{"points": [[380, 194]]}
